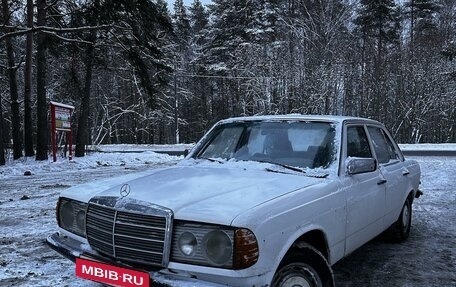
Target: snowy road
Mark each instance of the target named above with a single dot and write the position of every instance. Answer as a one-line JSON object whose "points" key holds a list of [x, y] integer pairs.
{"points": [[428, 258]]}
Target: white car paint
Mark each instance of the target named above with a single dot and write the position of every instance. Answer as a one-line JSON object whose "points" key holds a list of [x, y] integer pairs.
{"points": [[214, 194], [278, 206]]}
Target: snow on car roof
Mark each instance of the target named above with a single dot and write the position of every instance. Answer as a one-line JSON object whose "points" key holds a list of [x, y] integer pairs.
{"points": [[299, 117]]}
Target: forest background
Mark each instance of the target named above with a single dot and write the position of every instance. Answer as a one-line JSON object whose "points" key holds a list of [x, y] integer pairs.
{"points": [[139, 72]]}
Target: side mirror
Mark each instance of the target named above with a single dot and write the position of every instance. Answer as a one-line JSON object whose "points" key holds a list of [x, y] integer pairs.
{"points": [[358, 165], [186, 152]]}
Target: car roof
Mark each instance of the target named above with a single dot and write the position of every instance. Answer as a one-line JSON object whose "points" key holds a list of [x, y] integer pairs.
{"points": [[300, 117]]}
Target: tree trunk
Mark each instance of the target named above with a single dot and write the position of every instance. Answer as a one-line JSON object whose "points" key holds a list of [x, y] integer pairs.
{"points": [[15, 114], [2, 147], [361, 111], [28, 127], [41, 114], [412, 26], [82, 138], [378, 80]]}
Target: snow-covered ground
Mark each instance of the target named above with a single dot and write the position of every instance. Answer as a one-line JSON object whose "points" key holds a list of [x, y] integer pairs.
{"points": [[182, 147], [125, 159], [428, 147], [142, 147], [27, 206]]}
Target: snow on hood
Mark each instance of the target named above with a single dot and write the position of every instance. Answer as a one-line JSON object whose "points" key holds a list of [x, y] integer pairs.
{"points": [[210, 193]]}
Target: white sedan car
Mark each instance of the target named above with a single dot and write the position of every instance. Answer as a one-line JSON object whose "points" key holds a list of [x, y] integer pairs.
{"points": [[259, 201]]}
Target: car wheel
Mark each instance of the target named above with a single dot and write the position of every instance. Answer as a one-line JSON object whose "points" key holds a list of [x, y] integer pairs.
{"points": [[304, 267], [400, 230]]}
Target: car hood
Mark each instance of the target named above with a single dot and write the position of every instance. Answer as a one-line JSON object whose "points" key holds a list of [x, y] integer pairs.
{"points": [[209, 194]]}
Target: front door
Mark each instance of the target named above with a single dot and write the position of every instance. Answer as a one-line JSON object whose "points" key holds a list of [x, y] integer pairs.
{"points": [[365, 193]]}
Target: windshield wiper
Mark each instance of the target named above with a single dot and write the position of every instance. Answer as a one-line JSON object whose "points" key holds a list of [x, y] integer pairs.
{"points": [[212, 159], [294, 168], [290, 167]]}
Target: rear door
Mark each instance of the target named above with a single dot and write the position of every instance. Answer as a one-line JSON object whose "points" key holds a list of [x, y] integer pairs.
{"points": [[391, 166]]}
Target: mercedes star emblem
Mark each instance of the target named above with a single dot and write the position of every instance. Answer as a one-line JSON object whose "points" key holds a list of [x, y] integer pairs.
{"points": [[124, 190]]}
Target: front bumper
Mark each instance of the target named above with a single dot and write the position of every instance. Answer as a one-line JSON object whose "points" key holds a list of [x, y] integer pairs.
{"points": [[72, 249]]}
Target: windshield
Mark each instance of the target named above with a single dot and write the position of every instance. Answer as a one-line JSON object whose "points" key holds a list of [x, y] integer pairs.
{"points": [[300, 144]]}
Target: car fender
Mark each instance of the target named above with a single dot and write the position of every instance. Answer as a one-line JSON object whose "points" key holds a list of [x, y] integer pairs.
{"points": [[280, 223]]}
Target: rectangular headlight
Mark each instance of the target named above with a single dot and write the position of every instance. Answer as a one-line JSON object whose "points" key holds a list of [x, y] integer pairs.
{"points": [[202, 244], [71, 215], [213, 245]]}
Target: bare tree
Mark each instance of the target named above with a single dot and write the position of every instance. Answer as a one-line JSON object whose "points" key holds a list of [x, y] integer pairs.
{"points": [[12, 69], [2, 147], [41, 70], [28, 127], [82, 138]]}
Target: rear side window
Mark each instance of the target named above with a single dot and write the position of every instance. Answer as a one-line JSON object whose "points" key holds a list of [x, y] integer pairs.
{"points": [[357, 143], [383, 147], [394, 153]]}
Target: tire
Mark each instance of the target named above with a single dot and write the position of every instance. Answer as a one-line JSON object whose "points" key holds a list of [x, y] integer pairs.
{"points": [[400, 230], [304, 267]]}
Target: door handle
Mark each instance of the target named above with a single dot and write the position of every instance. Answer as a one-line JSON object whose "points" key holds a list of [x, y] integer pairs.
{"points": [[405, 172], [381, 181]]}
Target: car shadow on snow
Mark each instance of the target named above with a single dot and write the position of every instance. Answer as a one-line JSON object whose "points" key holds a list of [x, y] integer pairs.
{"points": [[426, 258]]}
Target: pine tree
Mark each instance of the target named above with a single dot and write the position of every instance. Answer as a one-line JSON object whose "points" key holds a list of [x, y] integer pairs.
{"points": [[199, 17], [182, 30], [377, 20], [141, 47], [421, 66], [229, 32], [82, 137], [181, 61], [181, 23], [266, 18], [197, 108], [423, 25], [162, 7], [423, 16]]}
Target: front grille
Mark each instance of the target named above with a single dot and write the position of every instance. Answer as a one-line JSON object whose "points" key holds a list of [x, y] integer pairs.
{"points": [[125, 235]]}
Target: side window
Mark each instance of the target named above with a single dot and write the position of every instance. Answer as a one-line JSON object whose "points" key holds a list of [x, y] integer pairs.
{"points": [[357, 143], [394, 154], [383, 147]]}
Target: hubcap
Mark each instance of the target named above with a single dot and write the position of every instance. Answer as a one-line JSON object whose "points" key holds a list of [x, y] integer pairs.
{"points": [[298, 275], [405, 216], [296, 281]]}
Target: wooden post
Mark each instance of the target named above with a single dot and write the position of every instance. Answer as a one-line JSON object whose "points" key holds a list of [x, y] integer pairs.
{"points": [[53, 133]]}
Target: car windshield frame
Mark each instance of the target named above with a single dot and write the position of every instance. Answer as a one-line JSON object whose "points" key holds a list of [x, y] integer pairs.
{"points": [[306, 145]]}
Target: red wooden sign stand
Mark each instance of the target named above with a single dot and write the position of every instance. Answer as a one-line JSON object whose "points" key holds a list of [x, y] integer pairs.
{"points": [[61, 121]]}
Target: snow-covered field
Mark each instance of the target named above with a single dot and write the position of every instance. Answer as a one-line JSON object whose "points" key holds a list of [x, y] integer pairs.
{"points": [[27, 205], [428, 147]]}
